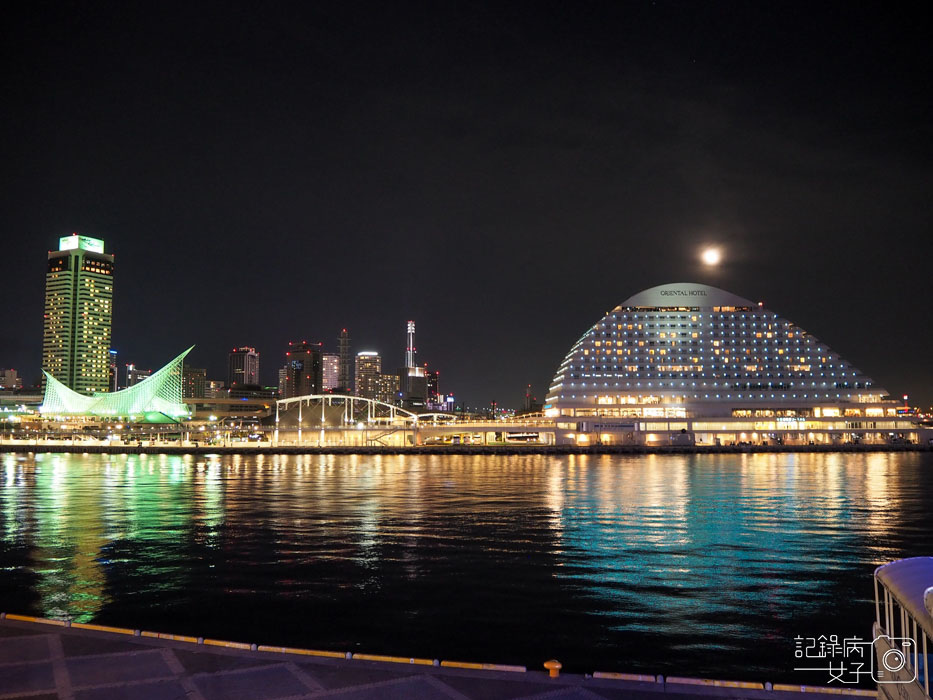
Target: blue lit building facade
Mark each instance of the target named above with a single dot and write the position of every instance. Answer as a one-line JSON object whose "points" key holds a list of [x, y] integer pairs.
{"points": [[685, 362]]}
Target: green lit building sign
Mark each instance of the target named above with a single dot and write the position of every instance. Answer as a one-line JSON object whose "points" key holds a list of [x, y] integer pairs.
{"points": [[76, 242]]}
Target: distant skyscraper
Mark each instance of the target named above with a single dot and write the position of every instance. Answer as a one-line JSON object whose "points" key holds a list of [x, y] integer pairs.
{"points": [[304, 373], [385, 388], [368, 369], [113, 378], [194, 382], [135, 376], [243, 367], [345, 379], [78, 314], [410, 350], [412, 385], [432, 381], [283, 382], [214, 389], [530, 403], [330, 371], [10, 379]]}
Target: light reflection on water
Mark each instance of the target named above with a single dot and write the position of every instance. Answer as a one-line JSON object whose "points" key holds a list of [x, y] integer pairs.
{"points": [[702, 565]]}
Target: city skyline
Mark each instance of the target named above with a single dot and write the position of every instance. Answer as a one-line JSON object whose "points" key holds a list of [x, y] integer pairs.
{"points": [[244, 360], [466, 349], [81, 263], [516, 172]]}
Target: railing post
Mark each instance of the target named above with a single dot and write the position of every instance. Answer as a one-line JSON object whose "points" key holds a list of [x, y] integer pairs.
{"points": [[926, 669]]}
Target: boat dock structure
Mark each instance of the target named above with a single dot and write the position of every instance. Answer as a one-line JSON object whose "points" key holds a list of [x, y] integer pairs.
{"points": [[59, 660]]}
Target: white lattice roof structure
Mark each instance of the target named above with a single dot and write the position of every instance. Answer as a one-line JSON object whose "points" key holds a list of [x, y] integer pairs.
{"points": [[158, 398]]}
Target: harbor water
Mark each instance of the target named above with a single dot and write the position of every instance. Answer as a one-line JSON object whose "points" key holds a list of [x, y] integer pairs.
{"points": [[696, 565]]}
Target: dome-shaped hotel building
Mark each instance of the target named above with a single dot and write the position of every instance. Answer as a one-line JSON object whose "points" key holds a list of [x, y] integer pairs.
{"points": [[684, 363]]}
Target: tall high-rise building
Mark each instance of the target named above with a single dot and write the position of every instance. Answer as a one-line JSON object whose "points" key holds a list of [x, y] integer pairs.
{"points": [[283, 382], [194, 382], [134, 375], [113, 375], [411, 380], [243, 367], [385, 388], [410, 350], [368, 369], [330, 371], [432, 380], [78, 314], [303, 370], [10, 379], [345, 378]]}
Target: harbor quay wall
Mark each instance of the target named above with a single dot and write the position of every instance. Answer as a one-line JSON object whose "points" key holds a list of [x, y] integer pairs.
{"points": [[267, 449]]}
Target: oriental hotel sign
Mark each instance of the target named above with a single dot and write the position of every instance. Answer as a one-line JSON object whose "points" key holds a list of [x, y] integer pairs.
{"points": [[683, 293]]}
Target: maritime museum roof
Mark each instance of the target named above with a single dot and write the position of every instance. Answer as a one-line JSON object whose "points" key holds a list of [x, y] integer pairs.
{"points": [[157, 398]]}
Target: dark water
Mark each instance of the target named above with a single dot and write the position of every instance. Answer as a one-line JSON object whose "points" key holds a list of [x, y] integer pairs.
{"points": [[687, 565]]}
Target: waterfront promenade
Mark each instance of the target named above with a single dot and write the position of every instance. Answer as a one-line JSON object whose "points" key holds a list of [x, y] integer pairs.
{"points": [[245, 448], [46, 661]]}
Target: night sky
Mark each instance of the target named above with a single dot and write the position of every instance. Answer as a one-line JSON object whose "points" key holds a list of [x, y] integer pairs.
{"points": [[503, 174]]}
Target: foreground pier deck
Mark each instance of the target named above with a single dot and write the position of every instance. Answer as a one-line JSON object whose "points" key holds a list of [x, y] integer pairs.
{"points": [[46, 660]]}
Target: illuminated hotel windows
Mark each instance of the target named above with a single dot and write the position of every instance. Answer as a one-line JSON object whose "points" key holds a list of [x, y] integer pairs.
{"points": [[77, 314], [771, 361]]}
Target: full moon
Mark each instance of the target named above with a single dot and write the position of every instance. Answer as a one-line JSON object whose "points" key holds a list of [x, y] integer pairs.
{"points": [[711, 256]]}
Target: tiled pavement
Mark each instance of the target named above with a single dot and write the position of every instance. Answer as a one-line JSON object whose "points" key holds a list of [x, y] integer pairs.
{"points": [[45, 663]]}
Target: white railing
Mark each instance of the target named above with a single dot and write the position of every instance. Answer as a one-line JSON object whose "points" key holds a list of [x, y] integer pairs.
{"points": [[903, 631]]}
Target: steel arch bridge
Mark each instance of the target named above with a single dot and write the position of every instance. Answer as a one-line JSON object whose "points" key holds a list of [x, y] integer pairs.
{"points": [[339, 419], [339, 410]]}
